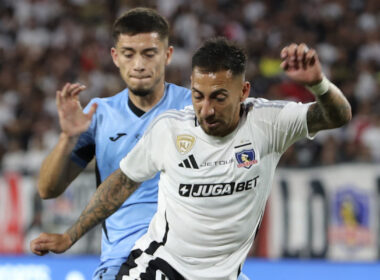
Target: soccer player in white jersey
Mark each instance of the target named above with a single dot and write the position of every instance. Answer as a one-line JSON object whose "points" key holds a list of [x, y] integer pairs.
{"points": [[217, 161]]}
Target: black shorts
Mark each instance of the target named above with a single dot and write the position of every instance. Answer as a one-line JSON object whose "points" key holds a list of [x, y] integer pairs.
{"points": [[156, 268]]}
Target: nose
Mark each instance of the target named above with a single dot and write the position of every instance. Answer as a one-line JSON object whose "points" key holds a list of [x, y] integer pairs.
{"points": [[138, 63], [207, 109]]}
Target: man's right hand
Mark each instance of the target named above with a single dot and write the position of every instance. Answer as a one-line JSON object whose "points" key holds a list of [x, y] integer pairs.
{"points": [[71, 117], [50, 242]]}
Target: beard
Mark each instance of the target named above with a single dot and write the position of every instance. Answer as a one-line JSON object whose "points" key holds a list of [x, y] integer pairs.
{"points": [[140, 91]]}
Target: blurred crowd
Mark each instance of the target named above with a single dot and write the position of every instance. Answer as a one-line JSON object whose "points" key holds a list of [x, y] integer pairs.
{"points": [[45, 43]]}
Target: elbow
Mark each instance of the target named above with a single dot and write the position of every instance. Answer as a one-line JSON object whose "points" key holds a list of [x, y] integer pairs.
{"points": [[45, 192], [347, 117], [344, 118]]}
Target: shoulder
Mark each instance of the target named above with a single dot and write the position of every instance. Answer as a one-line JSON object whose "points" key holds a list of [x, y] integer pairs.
{"points": [[269, 111], [111, 100], [175, 97], [108, 103], [174, 117], [262, 103], [178, 93], [260, 108], [177, 90]]}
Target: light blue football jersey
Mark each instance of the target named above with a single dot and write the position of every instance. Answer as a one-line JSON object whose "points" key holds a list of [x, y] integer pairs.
{"points": [[114, 131]]}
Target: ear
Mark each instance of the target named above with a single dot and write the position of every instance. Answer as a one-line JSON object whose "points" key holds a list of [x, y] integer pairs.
{"points": [[245, 91], [169, 53], [114, 55]]}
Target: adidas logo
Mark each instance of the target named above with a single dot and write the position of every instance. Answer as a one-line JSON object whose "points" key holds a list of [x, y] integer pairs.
{"points": [[189, 163]]}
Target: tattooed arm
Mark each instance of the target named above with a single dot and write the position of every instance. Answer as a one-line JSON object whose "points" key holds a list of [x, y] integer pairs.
{"points": [[109, 196], [330, 111], [302, 65]]}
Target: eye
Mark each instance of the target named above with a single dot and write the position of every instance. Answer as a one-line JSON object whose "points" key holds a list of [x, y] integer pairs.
{"points": [[150, 53], [128, 55], [197, 96], [221, 98]]}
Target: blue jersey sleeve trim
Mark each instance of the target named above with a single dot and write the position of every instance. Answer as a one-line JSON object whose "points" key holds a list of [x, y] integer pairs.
{"points": [[82, 163]]}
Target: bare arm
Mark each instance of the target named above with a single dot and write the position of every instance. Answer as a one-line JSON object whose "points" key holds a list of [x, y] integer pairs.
{"points": [[57, 170], [107, 199], [331, 109]]}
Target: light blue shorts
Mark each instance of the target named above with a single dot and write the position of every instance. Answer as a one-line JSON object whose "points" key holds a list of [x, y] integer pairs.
{"points": [[108, 273]]}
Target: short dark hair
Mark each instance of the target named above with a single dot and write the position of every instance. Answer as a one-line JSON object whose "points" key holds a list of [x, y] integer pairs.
{"points": [[140, 20], [218, 54]]}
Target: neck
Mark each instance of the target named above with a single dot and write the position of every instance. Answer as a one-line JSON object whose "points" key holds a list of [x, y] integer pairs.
{"points": [[145, 103]]}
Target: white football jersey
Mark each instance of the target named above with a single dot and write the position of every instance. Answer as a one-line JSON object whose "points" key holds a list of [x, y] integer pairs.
{"points": [[212, 190]]}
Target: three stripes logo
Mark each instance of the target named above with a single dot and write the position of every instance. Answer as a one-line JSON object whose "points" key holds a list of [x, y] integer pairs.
{"points": [[189, 163]]}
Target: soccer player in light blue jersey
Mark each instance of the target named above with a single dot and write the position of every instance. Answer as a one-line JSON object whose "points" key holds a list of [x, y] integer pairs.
{"points": [[110, 127]]}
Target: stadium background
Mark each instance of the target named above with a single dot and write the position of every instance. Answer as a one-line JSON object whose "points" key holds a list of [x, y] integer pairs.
{"points": [[322, 220]]}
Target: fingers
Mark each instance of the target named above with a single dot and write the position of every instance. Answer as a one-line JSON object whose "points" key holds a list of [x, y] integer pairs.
{"points": [[92, 110], [289, 57], [37, 250], [75, 89], [38, 245], [64, 89], [294, 51], [297, 56], [301, 51], [50, 242], [69, 91], [311, 57], [60, 94]]}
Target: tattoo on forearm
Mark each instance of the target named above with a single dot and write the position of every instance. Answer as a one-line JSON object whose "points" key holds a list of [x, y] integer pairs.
{"points": [[107, 199], [330, 111]]}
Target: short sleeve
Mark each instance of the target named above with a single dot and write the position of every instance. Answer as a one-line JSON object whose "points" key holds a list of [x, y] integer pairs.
{"points": [[144, 160], [84, 150], [290, 125]]}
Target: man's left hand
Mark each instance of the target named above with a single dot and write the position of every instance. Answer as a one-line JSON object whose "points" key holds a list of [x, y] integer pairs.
{"points": [[301, 64]]}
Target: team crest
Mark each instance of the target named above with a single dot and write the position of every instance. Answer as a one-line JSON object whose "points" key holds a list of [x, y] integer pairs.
{"points": [[351, 218], [185, 143], [246, 158]]}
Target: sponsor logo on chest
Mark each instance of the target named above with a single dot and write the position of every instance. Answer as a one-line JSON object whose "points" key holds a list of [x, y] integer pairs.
{"points": [[219, 189]]}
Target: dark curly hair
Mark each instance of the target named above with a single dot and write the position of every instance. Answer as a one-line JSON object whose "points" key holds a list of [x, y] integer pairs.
{"points": [[218, 54]]}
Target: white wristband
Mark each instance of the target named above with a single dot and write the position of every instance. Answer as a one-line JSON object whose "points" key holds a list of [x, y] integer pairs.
{"points": [[321, 88]]}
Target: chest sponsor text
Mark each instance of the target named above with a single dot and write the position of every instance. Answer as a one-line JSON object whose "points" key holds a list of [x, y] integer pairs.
{"points": [[219, 189]]}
